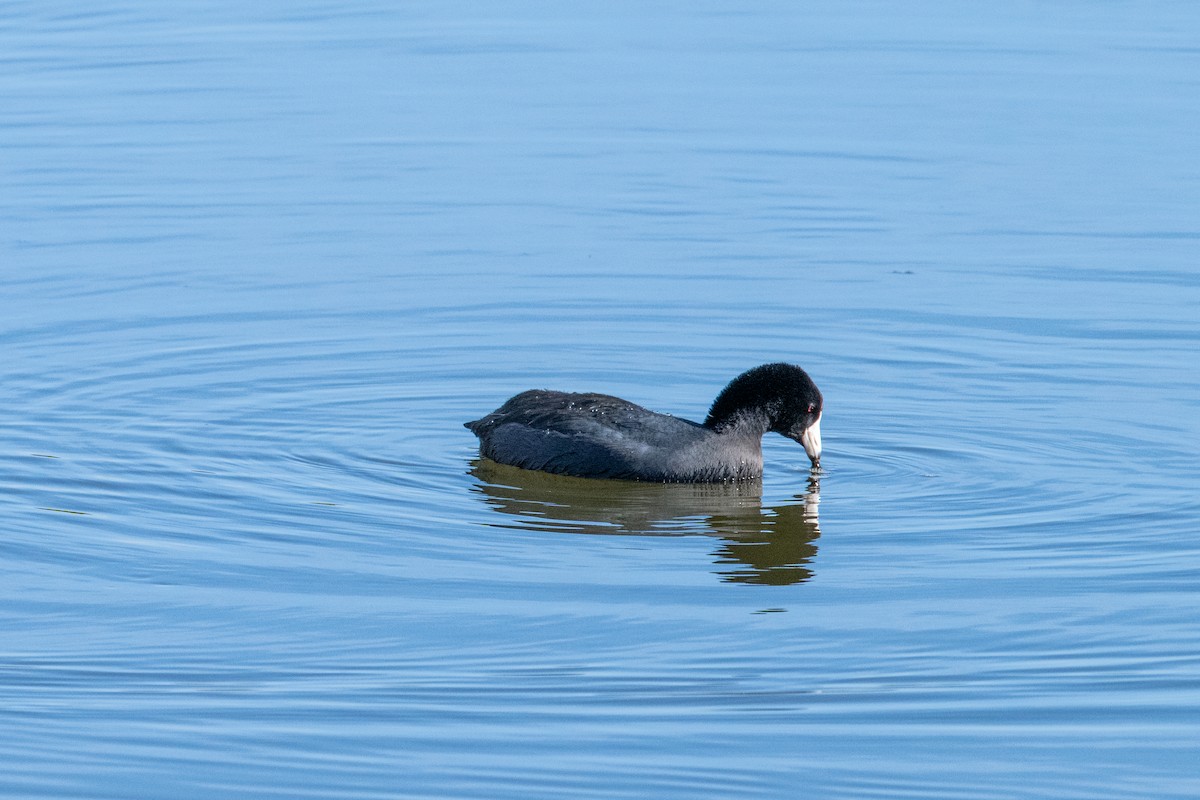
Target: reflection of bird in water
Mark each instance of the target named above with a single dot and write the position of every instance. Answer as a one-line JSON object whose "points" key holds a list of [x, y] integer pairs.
{"points": [[758, 545], [779, 552]]}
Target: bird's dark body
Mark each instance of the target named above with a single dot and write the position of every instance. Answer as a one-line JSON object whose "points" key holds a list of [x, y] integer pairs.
{"points": [[592, 435], [601, 436]]}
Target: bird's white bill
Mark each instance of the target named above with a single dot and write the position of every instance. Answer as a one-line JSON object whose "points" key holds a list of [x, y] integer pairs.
{"points": [[811, 439]]}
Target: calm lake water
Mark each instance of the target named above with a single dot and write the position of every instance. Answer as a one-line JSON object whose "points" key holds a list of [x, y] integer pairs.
{"points": [[258, 262]]}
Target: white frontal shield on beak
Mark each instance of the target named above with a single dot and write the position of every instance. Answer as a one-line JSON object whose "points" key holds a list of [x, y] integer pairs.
{"points": [[811, 439]]}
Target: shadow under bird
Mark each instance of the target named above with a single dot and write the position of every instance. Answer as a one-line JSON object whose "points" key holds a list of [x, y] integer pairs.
{"points": [[600, 436]]}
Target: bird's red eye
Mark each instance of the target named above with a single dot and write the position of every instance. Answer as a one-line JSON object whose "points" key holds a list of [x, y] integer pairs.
{"points": [[812, 407]]}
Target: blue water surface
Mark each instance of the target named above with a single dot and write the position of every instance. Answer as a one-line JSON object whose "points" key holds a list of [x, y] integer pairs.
{"points": [[258, 262]]}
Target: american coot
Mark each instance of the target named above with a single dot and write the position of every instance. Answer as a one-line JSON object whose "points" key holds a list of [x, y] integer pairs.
{"points": [[600, 436]]}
